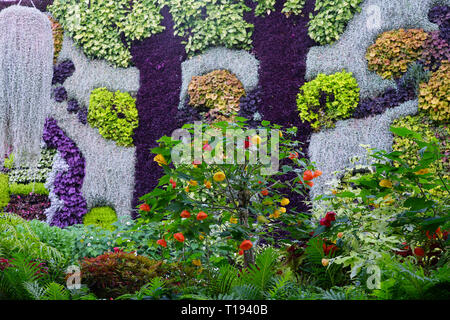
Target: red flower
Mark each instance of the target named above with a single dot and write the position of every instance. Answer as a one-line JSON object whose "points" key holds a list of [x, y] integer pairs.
{"points": [[144, 207], [308, 175], [264, 192], [179, 237], [419, 252], [317, 173], [241, 252], [325, 222], [185, 214], [174, 184], [330, 216], [246, 245], [162, 243], [207, 147], [327, 249], [247, 143], [201, 216]]}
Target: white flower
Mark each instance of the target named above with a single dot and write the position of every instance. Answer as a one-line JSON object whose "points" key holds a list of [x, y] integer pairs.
{"points": [[89, 244]]}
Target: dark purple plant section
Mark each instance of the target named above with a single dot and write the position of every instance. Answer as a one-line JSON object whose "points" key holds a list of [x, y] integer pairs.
{"points": [[72, 106], [62, 71], [59, 94], [435, 50], [39, 4], [441, 16], [67, 185], [158, 59], [249, 105], [82, 115], [281, 45], [389, 99], [29, 207]]}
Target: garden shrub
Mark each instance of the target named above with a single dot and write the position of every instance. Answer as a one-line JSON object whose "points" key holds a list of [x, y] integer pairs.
{"points": [[328, 98], [58, 34], [114, 114], [102, 217], [97, 26], [294, 7], [410, 150], [394, 50], [433, 96], [329, 23], [25, 175], [116, 273], [435, 50], [219, 91], [211, 23], [62, 71], [4, 191]]}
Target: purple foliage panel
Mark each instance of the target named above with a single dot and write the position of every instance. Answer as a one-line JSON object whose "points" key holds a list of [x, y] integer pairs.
{"points": [[281, 45], [158, 59], [67, 185]]}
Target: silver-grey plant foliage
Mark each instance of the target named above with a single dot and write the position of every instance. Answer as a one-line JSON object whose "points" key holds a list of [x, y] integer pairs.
{"points": [[331, 149], [376, 17], [26, 69], [59, 166], [239, 62], [109, 172], [91, 74]]}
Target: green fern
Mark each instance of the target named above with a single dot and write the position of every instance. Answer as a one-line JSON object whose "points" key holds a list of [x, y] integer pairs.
{"points": [[246, 292], [154, 289], [223, 280]]}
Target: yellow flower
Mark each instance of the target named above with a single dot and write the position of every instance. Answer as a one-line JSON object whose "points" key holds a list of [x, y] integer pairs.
{"points": [[281, 134], [160, 159], [207, 184], [219, 176], [282, 209], [333, 191], [233, 220], [388, 199], [325, 262], [276, 214], [82, 240], [385, 183], [201, 237], [193, 183], [196, 262], [422, 171], [284, 202], [256, 139]]}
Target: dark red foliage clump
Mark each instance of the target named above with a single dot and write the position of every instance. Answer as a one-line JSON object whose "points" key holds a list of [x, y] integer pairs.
{"points": [[29, 207], [158, 59]]}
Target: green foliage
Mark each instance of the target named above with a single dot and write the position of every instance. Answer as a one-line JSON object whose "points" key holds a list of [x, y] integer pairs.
{"points": [[113, 274], [114, 114], [264, 7], [103, 217], [23, 189], [294, 7], [97, 26], [219, 91], [433, 96], [154, 290], [328, 98], [394, 50], [222, 24], [415, 75], [13, 279], [329, 23], [51, 291], [4, 191], [17, 236]]}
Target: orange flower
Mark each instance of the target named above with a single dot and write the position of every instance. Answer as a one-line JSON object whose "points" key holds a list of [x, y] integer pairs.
{"points": [[201, 216], [207, 184], [185, 214], [317, 173], [340, 235], [246, 245], [159, 158], [265, 192], [308, 175], [193, 183], [325, 262], [310, 183], [179, 237], [162, 243], [293, 155], [144, 207]]}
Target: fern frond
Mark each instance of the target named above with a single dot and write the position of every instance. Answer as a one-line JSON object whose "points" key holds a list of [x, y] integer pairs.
{"points": [[55, 291]]}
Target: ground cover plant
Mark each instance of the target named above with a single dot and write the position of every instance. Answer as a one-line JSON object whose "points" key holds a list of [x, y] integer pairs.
{"points": [[224, 150]]}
